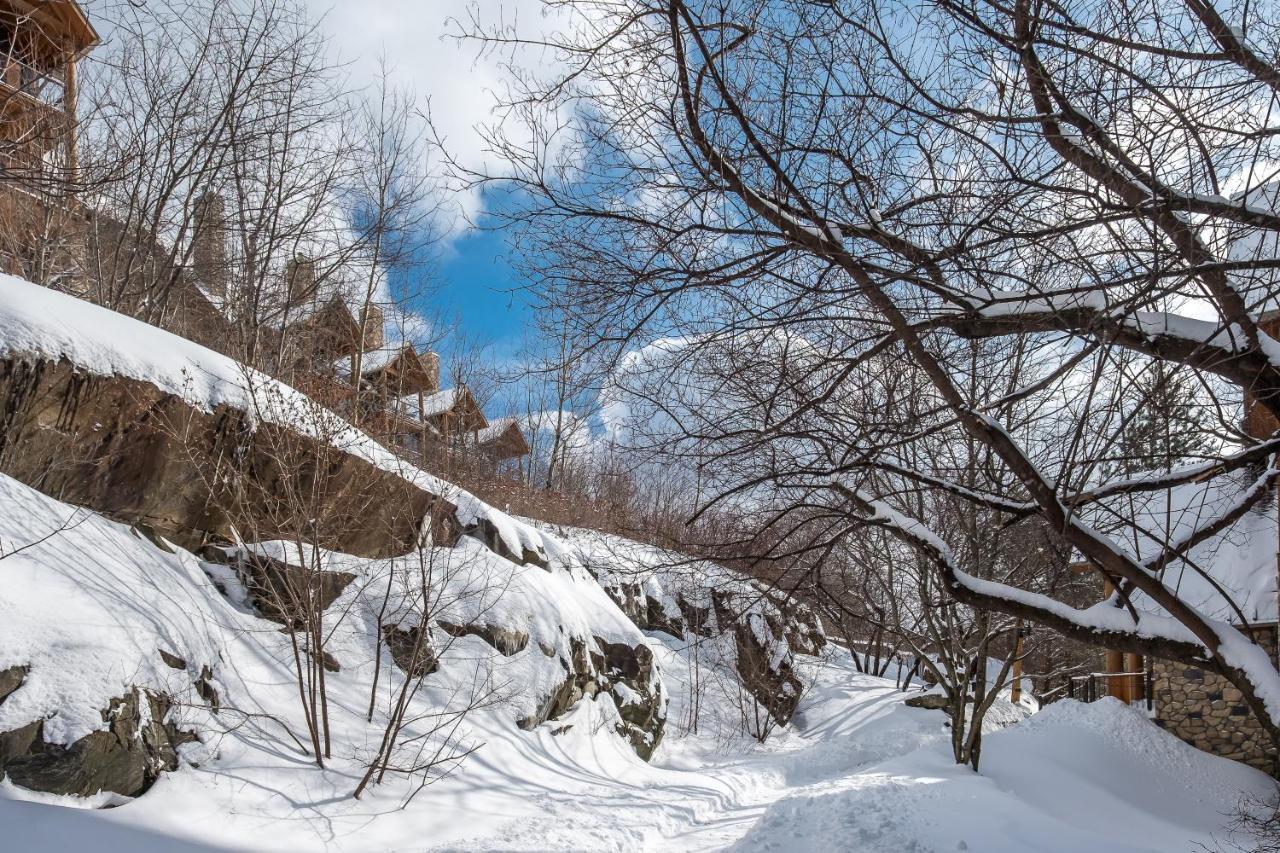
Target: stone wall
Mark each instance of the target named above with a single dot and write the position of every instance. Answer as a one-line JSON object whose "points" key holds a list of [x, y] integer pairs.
{"points": [[1205, 710]]}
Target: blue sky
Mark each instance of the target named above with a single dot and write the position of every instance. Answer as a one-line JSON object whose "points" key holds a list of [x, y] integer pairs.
{"points": [[478, 286], [474, 277]]}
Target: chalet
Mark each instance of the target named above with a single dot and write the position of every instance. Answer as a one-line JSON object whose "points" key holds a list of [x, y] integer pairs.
{"points": [[1234, 578], [41, 43], [501, 440]]}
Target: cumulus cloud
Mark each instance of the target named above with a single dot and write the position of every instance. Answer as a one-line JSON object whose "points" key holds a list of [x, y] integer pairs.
{"points": [[458, 83]]}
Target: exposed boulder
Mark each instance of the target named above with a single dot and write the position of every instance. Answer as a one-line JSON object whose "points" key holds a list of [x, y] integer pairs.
{"points": [[699, 619], [928, 701], [285, 593], [138, 744], [508, 641], [11, 679], [630, 677], [705, 600], [624, 672], [768, 630], [487, 532], [144, 456], [764, 665], [414, 658], [643, 609]]}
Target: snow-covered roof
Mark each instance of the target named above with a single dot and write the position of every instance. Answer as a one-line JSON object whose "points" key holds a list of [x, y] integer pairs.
{"points": [[495, 430], [370, 362], [41, 323], [1234, 241], [1242, 560], [432, 405]]}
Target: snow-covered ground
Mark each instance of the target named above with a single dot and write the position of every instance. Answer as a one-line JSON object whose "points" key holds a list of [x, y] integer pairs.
{"points": [[88, 608], [860, 772], [856, 771]]}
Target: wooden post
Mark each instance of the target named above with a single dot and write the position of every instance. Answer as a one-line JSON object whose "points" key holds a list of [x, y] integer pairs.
{"points": [[1015, 693], [69, 95], [1114, 662], [1117, 687], [1135, 688]]}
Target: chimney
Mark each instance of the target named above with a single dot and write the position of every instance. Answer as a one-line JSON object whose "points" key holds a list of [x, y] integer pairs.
{"points": [[209, 243], [300, 279], [373, 328], [431, 361]]}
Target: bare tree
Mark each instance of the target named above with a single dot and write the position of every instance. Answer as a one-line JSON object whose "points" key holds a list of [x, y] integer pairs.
{"points": [[857, 179]]}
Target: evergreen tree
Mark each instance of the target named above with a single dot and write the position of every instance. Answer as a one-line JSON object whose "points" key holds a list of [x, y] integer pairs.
{"points": [[1167, 424]]}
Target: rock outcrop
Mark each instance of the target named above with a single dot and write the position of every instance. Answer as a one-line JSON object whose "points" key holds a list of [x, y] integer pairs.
{"points": [[508, 641], [135, 453], [412, 654], [137, 745], [624, 672], [285, 593], [684, 600]]}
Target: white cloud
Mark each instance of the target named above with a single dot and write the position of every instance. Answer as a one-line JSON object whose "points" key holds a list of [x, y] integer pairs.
{"points": [[460, 83]]}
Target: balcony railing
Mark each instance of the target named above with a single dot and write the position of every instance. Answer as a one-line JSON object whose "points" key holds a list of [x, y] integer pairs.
{"points": [[1095, 685], [44, 85]]}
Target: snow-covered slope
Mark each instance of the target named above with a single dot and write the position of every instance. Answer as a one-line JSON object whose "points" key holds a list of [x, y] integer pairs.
{"points": [[91, 611], [89, 607], [39, 324]]}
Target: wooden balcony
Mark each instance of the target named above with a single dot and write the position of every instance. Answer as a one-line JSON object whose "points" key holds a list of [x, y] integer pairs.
{"points": [[28, 86]]}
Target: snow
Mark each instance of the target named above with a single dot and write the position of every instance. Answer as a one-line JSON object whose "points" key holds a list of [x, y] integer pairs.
{"points": [[88, 604], [667, 577], [1074, 777], [1241, 559], [998, 304], [42, 323], [431, 404], [857, 770], [88, 608], [494, 430]]}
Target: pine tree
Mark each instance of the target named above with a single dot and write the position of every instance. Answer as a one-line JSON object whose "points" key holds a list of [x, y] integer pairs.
{"points": [[1167, 424]]}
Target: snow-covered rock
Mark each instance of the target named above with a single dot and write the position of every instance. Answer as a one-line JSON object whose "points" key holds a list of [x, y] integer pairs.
{"points": [[690, 599], [147, 427], [119, 652]]}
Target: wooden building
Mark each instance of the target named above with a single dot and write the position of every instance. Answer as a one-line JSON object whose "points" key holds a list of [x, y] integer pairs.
{"points": [[1198, 706], [41, 42], [41, 231]]}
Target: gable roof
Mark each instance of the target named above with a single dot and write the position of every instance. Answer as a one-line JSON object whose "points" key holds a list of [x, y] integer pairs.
{"points": [[502, 439], [1234, 570], [401, 368], [454, 402]]}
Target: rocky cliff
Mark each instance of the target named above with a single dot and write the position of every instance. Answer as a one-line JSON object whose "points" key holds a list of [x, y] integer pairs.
{"points": [[165, 513]]}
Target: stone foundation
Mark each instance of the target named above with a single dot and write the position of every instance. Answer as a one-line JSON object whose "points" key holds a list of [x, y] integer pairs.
{"points": [[1205, 710]]}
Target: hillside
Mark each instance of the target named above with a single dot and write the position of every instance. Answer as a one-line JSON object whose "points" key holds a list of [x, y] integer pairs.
{"points": [[486, 683], [89, 608]]}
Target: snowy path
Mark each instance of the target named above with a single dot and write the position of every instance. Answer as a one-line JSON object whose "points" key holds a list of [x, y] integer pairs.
{"points": [[696, 797], [858, 771]]}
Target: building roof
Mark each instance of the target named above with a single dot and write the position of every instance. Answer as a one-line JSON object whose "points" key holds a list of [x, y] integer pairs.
{"points": [[431, 405], [457, 403], [1235, 570], [69, 17], [502, 439]]}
